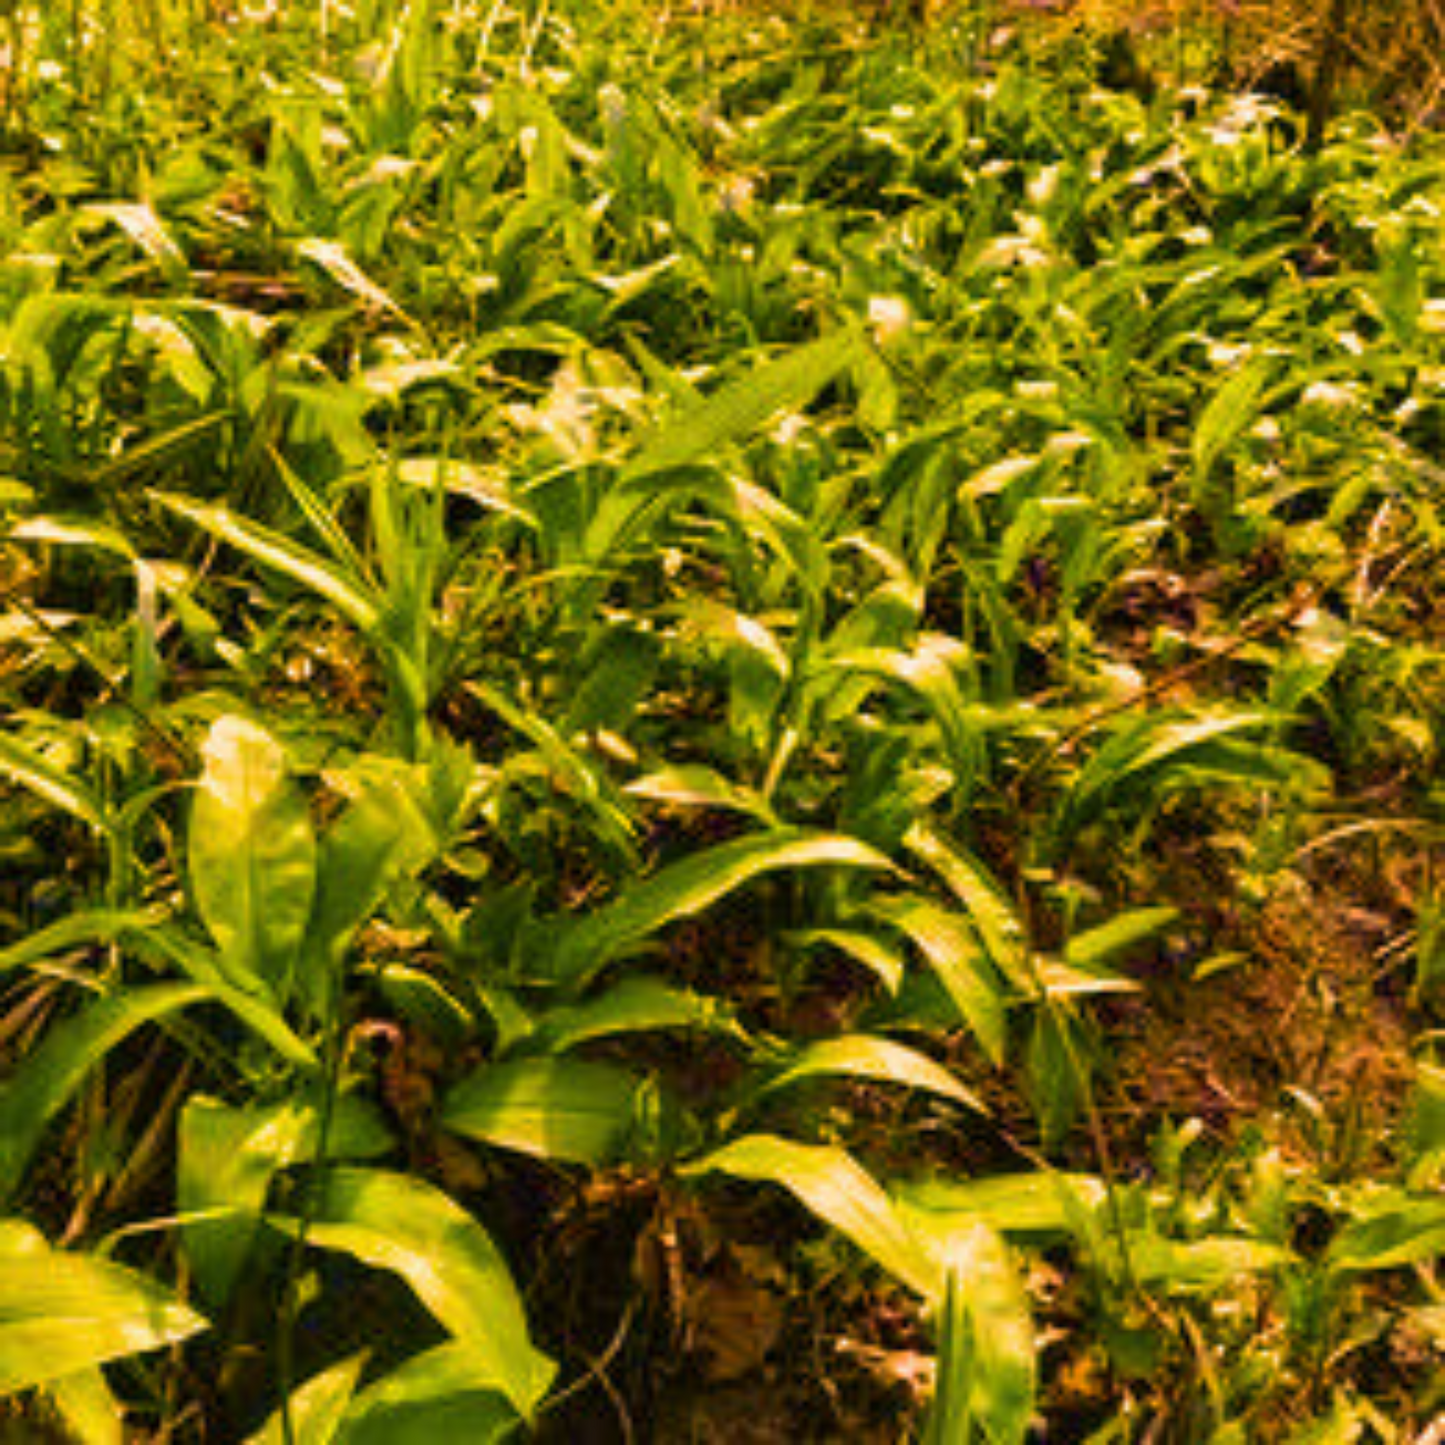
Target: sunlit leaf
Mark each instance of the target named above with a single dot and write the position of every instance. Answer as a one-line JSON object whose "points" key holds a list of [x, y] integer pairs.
{"points": [[955, 953], [987, 1372], [401, 1223], [563, 1109], [21, 764], [317, 1408], [252, 855], [835, 1187], [865, 1056], [434, 1396], [61, 1313], [226, 1159]]}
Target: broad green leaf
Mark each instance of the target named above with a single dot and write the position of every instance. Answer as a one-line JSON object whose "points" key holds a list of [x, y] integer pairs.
{"points": [[563, 1109], [1059, 1070], [382, 835], [619, 670], [332, 257], [89, 1408], [1095, 947], [993, 916], [140, 222], [47, 1078], [1427, 1125], [632, 1005], [76, 930], [743, 406], [435, 1396], [352, 597], [864, 1056], [880, 958], [27, 768], [694, 884], [1202, 1264], [400, 1223], [1230, 412], [317, 1408], [952, 948], [1043, 1203], [1143, 752], [1409, 1233], [226, 1160], [62, 1313], [987, 1372], [832, 1184], [934, 670], [252, 856], [170, 945], [694, 785]]}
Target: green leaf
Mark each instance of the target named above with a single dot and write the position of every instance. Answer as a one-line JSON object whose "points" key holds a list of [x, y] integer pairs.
{"points": [[170, 945], [1409, 1233], [1427, 1125], [91, 1412], [75, 931], [317, 1408], [252, 856], [632, 1005], [332, 258], [1201, 1264], [840, 1192], [1042, 1203], [934, 670], [383, 834], [140, 222], [562, 1109], [433, 1397], [882, 959], [1058, 1071], [27, 768], [953, 950], [864, 1056], [47, 1078], [743, 406], [1095, 947], [352, 597], [226, 1160], [987, 1375], [993, 916], [1230, 412], [63, 1313], [400, 1223], [693, 785], [694, 884]]}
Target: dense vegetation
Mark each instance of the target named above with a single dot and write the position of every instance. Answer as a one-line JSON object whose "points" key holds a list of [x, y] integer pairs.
{"points": [[715, 729]]}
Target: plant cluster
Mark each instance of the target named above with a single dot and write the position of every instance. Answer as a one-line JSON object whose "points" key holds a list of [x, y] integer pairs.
{"points": [[698, 712]]}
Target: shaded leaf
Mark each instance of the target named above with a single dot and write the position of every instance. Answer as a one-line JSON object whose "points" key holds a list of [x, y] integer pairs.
{"points": [[47, 1078]]}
